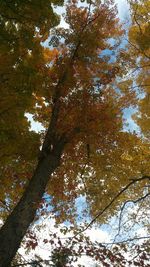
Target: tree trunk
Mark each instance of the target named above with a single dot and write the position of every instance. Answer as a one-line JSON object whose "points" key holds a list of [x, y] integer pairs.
{"points": [[16, 225]]}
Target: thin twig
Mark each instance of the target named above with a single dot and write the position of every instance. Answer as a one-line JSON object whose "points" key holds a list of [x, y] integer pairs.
{"points": [[139, 50], [4, 205], [125, 241], [112, 201], [122, 209], [29, 263]]}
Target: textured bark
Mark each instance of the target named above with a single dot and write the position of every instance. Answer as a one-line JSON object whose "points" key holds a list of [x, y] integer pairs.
{"points": [[16, 225]]}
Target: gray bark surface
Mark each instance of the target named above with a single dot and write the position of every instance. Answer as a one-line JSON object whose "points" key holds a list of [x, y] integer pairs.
{"points": [[16, 225]]}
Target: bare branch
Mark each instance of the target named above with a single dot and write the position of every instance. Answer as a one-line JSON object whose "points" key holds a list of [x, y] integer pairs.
{"points": [[122, 209], [112, 201], [126, 241], [32, 263]]}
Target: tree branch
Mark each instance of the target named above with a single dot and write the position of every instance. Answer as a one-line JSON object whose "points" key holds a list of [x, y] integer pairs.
{"points": [[139, 50], [112, 201], [29, 263], [122, 209], [4, 205], [126, 241]]}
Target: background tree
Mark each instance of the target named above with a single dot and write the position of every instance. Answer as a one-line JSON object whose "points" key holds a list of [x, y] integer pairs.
{"points": [[24, 25], [140, 42]]}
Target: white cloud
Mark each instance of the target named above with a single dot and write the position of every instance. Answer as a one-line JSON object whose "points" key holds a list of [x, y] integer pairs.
{"points": [[44, 249], [98, 235], [123, 9]]}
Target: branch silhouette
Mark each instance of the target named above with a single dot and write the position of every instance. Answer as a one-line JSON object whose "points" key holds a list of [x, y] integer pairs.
{"points": [[145, 177]]}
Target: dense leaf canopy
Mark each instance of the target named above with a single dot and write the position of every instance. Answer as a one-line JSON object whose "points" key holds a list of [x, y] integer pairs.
{"points": [[78, 87]]}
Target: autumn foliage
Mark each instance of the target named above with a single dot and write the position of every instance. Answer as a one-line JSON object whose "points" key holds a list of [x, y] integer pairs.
{"points": [[78, 89]]}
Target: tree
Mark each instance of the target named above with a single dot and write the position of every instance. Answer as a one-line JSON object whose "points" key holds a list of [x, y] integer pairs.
{"points": [[67, 253], [72, 92], [139, 39], [24, 25]]}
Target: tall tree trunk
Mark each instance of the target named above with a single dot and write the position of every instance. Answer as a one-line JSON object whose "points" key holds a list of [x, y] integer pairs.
{"points": [[16, 225]]}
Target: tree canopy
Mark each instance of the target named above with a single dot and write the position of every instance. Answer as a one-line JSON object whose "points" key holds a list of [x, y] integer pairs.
{"points": [[140, 41], [24, 26], [78, 87]]}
